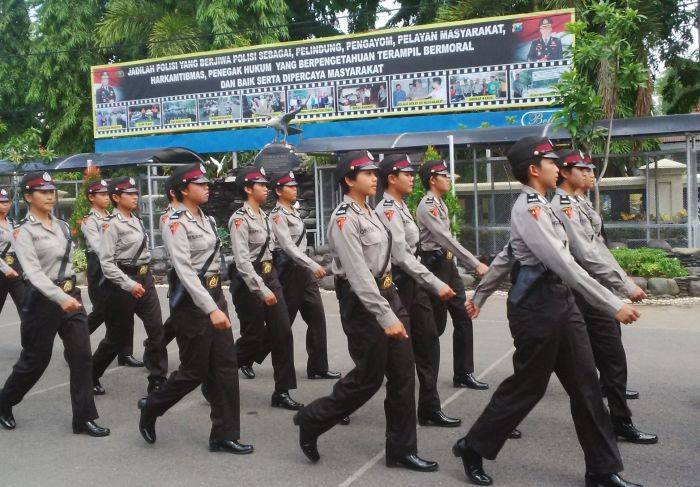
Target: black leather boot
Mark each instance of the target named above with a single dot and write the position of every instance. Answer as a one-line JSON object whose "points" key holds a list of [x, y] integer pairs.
{"points": [[411, 462], [284, 400], [438, 418], [90, 428], [473, 463], [469, 381], [307, 440], [147, 423], [323, 375], [515, 434], [98, 390], [247, 371], [607, 480], [7, 420], [129, 361], [626, 431], [230, 446]]}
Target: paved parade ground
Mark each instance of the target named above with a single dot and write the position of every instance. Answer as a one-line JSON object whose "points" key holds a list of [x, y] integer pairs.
{"points": [[664, 365]]}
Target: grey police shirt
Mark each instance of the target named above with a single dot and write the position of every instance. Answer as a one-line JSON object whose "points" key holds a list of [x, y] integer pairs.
{"points": [[91, 227], [249, 231], [596, 224], [288, 226], [6, 245], [404, 242], [434, 224], [359, 245], [537, 236], [190, 241], [582, 242], [121, 242], [40, 251]]}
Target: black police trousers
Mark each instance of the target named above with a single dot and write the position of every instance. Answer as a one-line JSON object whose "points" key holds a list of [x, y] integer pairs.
{"points": [[14, 287], [120, 309], [207, 356], [609, 354], [463, 334], [375, 356], [425, 340], [266, 330], [302, 295], [97, 298], [550, 336], [42, 320]]}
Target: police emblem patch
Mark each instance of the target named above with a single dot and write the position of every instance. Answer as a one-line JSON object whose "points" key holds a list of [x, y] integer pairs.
{"points": [[535, 211], [341, 222], [389, 214]]}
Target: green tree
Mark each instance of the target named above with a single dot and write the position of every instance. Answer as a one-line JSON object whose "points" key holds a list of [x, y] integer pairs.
{"points": [[602, 44], [680, 86], [25, 147], [170, 27], [312, 18], [64, 50], [15, 41], [81, 206]]}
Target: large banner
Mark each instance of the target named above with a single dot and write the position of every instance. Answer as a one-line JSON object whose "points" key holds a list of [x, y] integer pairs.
{"points": [[479, 64]]}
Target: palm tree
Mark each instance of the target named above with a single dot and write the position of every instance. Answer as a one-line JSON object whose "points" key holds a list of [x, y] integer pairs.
{"points": [[169, 27]]}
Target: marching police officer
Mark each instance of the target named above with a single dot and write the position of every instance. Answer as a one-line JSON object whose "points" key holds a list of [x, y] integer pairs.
{"points": [[130, 288], [548, 330], [413, 282], [546, 47], [91, 226], [438, 252], [51, 306], [374, 321], [256, 291], [199, 316], [11, 280], [298, 275], [603, 331]]}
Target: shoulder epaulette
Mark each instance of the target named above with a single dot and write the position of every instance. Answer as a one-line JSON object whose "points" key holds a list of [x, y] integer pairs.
{"points": [[19, 223], [388, 203], [564, 199], [175, 215], [109, 217], [342, 209], [532, 198], [239, 211], [276, 209], [430, 199]]}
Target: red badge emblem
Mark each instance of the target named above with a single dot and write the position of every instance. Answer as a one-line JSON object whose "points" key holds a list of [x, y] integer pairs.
{"points": [[435, 212], [163, 218], [568, 211], [535, 211], [389, 214], [173, 227], [15, 233], [105, 226], [341, 222], [238, 222], [276, 219]]}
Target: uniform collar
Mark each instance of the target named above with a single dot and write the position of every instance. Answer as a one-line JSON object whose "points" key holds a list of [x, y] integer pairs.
{"points": [[562, 192], [286, 210], [528, 190], [252, 213], [354, 205], [400, 203]]}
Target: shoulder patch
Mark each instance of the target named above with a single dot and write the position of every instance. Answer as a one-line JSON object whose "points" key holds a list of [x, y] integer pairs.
{"points": [[535, 211], [173, 227], [568, 211], [276, 219], [388, 203], [532, 198], [435, 212], [430, 199], [389, 214], [564, 199], [175, 215], [341, 222], [238, 222]]}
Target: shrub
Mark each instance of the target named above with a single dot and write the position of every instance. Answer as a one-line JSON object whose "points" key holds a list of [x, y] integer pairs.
{"points": [[79, 260], [646, 262]]}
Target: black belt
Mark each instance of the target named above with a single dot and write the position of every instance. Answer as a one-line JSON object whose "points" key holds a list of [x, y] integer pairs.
{"points": [[437, 254], [67, 285], [135, 270]]}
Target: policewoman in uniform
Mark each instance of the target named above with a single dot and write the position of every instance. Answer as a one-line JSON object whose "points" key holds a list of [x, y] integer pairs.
{"points": [[91, 226], [299, 275], [603, 330], [11, 279], [200, 318], [257, 293], [439, 249], [373, 320], [413, 281], [130, 288], [549, 333], [51, 305], [600, 240]]}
